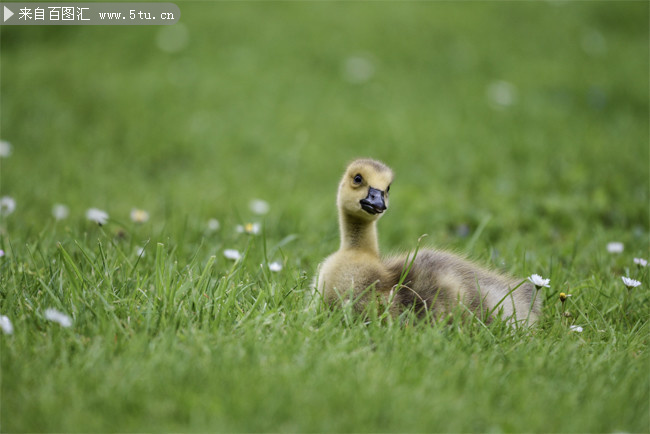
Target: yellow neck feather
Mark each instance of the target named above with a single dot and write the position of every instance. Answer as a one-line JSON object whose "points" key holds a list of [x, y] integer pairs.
{"points": [[358, 234]]}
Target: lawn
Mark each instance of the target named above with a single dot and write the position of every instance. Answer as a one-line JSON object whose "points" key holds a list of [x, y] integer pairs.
{"points": [[518, 133]]}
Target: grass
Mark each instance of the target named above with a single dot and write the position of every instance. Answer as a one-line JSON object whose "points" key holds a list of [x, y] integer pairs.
{"points": [[255, 104]]}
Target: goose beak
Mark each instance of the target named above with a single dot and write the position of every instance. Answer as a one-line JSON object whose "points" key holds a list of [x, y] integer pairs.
{"points": [[374, 202]]}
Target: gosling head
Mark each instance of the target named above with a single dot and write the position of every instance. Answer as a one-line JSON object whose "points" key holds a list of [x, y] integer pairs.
{"points": [[363, 192]]}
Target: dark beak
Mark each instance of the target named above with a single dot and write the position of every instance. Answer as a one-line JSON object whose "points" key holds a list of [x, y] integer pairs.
{"points": [[374, 202]]}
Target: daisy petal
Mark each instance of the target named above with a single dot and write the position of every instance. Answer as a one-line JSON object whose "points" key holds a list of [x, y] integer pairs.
{"points": [[5, 325], [539, 281], [232, 254], [97, 215], [58, 317], [630, 283]]}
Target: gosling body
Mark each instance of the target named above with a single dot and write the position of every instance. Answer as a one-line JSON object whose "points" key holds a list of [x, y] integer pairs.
{"points": [[436, 281]]}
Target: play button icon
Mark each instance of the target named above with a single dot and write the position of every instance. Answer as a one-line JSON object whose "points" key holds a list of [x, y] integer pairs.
{"points": [[7, 14]]}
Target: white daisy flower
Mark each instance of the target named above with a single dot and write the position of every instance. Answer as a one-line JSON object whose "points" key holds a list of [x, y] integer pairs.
{"points": [[5, 149], [249, 228], [630, 283], [575, 328], [5, 325], [641, 262], [213, 225], [539, 281], [60, 211], [139, 251], [259, 206], [7, 205], [58, 317], [615, 247], [275, 266], [97, 215], [232, 254], [2, 253], [139, 215]]}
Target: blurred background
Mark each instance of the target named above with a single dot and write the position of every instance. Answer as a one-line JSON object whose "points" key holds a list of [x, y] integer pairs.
{"points": [[532, 113]]}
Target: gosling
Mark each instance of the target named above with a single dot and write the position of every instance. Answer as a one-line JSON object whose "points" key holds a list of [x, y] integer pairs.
{"points": [[434, 281]]}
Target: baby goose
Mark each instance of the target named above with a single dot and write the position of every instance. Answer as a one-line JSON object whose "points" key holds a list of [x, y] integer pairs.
{"points": [[437, 280]]}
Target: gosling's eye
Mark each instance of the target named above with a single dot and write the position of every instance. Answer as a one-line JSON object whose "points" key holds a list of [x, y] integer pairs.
{"points": [[358, 178], [387, 189]]}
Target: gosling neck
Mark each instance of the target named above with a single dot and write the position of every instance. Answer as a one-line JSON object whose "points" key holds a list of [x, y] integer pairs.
{"points": [[358, 234]]}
